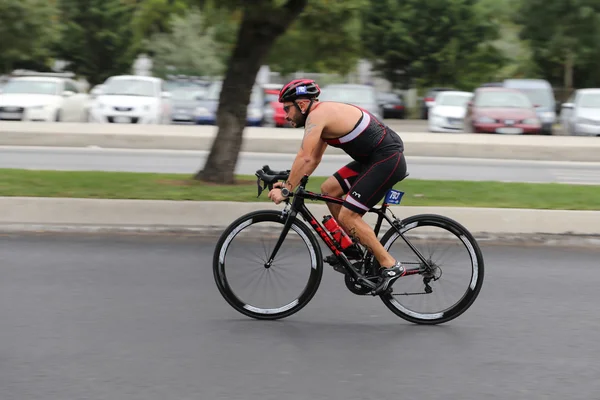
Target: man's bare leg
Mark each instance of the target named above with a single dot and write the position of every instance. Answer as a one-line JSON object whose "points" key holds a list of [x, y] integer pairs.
{"points": [[362, 233], [331, 187]]}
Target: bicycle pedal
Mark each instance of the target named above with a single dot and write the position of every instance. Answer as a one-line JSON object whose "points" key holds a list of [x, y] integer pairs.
{"points": [[378, 291], [367, 283], [331, 260], [338, 267]]}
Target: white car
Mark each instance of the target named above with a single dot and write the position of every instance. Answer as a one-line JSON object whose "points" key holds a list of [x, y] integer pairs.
{"points": [[131, 99], [42, 98], [580, 115], [447, 114]]}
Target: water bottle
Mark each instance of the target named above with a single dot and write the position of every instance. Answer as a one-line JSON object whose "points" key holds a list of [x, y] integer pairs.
{"points": [[337, 232]]}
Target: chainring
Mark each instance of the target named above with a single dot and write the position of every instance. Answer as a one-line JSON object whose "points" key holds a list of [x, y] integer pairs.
{"points": [[356, 287]]}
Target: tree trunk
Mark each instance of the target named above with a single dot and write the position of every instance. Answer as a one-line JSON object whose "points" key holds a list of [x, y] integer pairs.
{"points": [[568, 77], [260, 27]]}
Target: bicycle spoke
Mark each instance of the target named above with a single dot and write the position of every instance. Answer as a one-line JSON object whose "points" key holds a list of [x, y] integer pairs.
{"points": [[253, 278], [258, 261]]}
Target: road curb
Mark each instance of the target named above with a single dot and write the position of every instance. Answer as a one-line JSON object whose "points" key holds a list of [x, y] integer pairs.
{"points": [[68, 215]]}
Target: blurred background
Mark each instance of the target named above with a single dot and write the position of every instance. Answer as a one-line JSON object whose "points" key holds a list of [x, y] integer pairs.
{"points": [[497, 66]]}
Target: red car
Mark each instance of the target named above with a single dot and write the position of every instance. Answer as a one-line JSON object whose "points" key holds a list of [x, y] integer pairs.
{"points": [[274, 114], [501, 110]]}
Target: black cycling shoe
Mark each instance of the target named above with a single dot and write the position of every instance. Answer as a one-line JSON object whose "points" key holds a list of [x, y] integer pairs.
{"points": [[331, 259], [389, 276]]}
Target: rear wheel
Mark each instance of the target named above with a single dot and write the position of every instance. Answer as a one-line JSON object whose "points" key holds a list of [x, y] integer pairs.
{"points": [[449, 284], [280, 289]]}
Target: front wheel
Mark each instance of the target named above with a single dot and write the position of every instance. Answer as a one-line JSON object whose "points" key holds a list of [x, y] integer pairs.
{"points": [[444, 287], [253, 287]]}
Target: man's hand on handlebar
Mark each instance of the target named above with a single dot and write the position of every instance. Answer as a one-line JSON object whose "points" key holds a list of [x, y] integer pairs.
{"points": [[275, 193]]}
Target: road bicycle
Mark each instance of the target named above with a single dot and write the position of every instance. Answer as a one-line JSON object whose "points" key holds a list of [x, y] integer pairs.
{"points": [[245, 240]]}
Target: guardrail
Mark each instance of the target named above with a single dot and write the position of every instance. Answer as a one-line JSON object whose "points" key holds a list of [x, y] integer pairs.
{"points": [[275, 140]]}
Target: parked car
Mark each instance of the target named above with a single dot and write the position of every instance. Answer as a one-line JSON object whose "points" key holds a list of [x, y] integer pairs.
{"points": [[363, 96], [174, 82], [392, 105], [42, 98], [206, 113], [492, 84], [95, 91], [448, 112], [274, 115], [501, 110], [429, 99], [580, 115], [541, 95], [131, 99], [185, 101]]}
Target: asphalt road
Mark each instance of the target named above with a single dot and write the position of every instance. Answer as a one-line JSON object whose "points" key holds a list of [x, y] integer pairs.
{"points": [[189, 161], [91, 317]]}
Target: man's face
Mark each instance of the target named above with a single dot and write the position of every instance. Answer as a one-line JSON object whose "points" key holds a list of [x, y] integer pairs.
{"points": [[294, 115]]}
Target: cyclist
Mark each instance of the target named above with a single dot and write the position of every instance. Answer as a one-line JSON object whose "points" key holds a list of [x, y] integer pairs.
{"points": [[378, 164]]}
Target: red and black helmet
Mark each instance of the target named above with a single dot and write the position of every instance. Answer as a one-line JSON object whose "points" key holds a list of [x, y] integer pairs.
{"points": [[298, 89]]}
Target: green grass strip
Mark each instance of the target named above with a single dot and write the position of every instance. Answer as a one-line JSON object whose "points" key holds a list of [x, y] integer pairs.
{"points": [[149, 186]]}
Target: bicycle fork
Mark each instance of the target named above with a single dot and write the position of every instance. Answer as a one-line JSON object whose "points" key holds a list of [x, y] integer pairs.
{"points": [[290, 217]]}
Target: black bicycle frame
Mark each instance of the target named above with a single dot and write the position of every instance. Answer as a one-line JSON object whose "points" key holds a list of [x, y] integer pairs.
{"points": [[298, 206]]}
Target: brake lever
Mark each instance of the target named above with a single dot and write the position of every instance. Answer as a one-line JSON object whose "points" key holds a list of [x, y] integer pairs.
{"points": [[260, 189]]}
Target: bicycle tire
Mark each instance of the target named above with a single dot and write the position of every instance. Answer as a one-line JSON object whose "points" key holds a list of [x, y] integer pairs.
{"points": [[477, 273], [309, 290]]}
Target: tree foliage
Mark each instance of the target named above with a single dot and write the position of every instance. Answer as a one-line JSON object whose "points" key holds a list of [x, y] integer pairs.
{"points": [[27, 33], [565, 39], [96, 37], [155, 16], [325, 38], [187, 49], [431, 42]]}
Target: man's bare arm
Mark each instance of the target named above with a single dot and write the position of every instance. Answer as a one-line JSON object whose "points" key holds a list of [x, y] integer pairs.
{"points": [[309, 127], [310, 153]]}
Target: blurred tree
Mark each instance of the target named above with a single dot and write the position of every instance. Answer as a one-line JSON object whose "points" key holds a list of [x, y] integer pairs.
{"points": [[565, 39], [519, 61], [262, 23], [96, 37], [188, 49], [310, 35], [154, 16], [27, 30], [325, 38], [432, 42]]}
